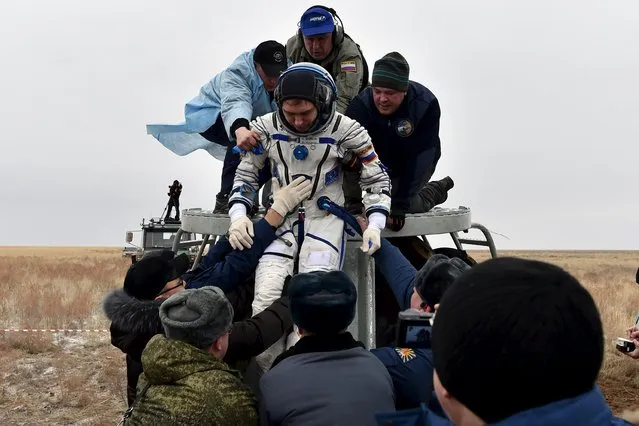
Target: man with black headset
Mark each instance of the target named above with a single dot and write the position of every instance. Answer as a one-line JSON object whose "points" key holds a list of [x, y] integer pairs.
{"points": [[321, 40]]}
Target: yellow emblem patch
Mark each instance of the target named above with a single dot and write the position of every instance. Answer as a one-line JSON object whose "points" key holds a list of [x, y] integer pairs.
{"points": [[348, 66], [406, 354]]}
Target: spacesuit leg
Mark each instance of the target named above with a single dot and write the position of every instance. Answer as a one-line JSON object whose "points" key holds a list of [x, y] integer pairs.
{"points": [[274, 266], [323, 246], [322, 250]]}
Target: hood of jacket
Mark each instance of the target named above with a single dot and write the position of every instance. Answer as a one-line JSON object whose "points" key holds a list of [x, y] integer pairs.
{"points": [[168, 361], [131, 319]]}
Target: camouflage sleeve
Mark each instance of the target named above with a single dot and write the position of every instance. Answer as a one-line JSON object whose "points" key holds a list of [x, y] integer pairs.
{"points": [[374, 179], [246, 183], [349, 76]]}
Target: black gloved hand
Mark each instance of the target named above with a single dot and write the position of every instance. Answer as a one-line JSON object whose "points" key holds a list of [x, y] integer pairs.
{"points": [[396, 221]]}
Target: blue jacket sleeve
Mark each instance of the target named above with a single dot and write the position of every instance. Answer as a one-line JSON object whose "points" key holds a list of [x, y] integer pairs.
{"points": [[236, 97], [398, 272], [233, 266], [423, 161]]}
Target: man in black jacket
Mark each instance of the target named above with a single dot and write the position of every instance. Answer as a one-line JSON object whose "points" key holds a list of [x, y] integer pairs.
{"points": [[402, 118]]}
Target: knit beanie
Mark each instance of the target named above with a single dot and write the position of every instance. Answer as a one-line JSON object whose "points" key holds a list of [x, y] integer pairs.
{"points": [[437, 274], [506, 335], [322, 302], [197, 316], [391, 72]]}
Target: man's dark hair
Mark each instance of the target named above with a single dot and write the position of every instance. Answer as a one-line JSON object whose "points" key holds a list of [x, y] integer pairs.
{"points": [[514, 334]]}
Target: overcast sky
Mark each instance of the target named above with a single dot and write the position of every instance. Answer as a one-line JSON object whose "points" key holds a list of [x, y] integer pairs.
{"points": [[539, 106]]}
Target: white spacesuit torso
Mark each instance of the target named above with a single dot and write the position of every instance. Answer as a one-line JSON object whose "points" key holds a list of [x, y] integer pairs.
{"points": [[318, 157]]}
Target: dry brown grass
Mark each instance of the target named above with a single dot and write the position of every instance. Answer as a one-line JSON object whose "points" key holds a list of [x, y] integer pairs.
{"points": [[610, 278], [79, 378], [57, 287], [63, 378]]}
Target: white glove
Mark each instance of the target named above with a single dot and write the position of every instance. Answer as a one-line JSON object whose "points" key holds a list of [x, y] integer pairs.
{"points": [[287, 198], [371, 239], [241, 229]]}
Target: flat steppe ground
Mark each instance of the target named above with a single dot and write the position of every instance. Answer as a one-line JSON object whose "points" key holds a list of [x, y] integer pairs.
{"points": [[79, 378]]}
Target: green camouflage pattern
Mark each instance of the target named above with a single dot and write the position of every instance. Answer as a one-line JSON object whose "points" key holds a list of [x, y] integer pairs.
{"points": [[348, 82], [188, 386]]}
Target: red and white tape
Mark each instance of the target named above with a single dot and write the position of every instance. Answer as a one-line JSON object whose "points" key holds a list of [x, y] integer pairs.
{"points": [[51, 330]]}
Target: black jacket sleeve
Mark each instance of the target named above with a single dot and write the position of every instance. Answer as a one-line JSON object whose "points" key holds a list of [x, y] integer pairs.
{"points": [[252, 336], [422, 161], [358, 111]]}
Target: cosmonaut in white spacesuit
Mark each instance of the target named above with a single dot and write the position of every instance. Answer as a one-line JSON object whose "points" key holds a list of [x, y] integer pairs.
{"points": [[307, 137]]}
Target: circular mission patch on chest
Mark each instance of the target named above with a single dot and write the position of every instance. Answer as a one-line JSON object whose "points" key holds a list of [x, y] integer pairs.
{"points": [[404, 128]]}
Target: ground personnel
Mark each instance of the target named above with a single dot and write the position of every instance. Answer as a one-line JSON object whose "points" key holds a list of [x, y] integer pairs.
{"points": [[327, 377], [402, 118], [516, 342], [412, 369], [185, 380], [218, 118], [321, 40], [133, 310]]}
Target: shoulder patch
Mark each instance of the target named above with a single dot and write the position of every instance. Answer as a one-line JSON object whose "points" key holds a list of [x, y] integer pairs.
{"points": [[348, 66], [406, 354]]}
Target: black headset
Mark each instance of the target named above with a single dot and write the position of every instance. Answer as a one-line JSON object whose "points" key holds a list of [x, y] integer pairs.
{"points": [[338, 31]]}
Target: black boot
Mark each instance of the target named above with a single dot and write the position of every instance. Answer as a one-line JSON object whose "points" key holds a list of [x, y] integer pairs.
{"points": [[221, 204], [436, 192]]}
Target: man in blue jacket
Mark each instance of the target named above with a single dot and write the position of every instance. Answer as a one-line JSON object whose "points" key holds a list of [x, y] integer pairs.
{"points": [[402, 118], [223, 109], [516, 342], [412, 369]]}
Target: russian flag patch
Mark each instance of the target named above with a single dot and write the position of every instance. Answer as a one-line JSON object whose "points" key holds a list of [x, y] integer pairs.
{"points": [[348, 66]]}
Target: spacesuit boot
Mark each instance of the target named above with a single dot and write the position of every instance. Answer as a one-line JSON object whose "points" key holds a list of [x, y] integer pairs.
{"points": [[435, 192]]}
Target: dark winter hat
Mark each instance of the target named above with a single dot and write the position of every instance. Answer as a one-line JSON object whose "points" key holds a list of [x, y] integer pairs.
{"points": [[322, 302], [271, 56], [145, 279], [505, 336], [391, 72], [197, 316], [434, 278]]}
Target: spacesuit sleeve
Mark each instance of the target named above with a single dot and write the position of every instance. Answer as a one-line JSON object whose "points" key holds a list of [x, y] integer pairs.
{"points": [[236, 98], [246, 183], [374, 179]]}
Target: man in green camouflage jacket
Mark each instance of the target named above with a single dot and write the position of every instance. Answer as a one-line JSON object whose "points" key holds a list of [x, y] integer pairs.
{"points": [[321, 40], [185, 381]]}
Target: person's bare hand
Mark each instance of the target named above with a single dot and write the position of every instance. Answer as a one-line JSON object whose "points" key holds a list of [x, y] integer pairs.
{"points": [[363, 223], [633, 334], [246, 139]]}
